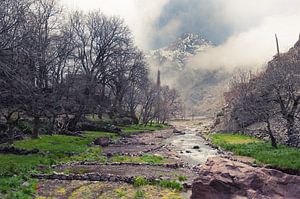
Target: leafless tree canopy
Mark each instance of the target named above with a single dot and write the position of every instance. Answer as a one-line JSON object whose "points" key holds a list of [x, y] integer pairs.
{"points": [[57, 68], [272, 94]]}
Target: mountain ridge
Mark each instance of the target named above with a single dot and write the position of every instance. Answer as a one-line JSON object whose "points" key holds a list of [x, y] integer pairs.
{"points": [[200, 88]]}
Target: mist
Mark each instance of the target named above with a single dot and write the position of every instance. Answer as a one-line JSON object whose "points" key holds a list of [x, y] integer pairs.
{"points": [[139, 15], [252, 44]]}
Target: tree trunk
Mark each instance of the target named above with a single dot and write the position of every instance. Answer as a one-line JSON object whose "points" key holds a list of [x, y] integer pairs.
{"points": [[10, 133], [273, 140], [35, 131], [74, 121], [290, 130]]}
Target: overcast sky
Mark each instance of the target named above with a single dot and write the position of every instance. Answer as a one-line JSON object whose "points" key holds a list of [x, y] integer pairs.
{"points": [[243, 29]]}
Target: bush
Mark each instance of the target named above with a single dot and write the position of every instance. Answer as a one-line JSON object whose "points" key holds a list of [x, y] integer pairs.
{"points": [[139, 194], [170, 185], [140, 181]]}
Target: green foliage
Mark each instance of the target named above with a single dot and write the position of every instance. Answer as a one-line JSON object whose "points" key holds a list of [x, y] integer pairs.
{"points": [[282, 157], [62, 143], [182, 178], [120, 192], [170, 185], [91, 154], [11, 164], [143, 128], [219, 139], [57, 148], [17, 187], [139, 194], [140, 181], [146, 158]]}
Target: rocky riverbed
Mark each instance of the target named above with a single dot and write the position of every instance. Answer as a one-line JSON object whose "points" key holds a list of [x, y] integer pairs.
{"points": [[181, 148], [191, 147], [203, 170]]}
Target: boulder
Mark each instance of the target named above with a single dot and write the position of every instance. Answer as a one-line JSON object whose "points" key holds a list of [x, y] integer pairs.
{"points": [[226, 179]]}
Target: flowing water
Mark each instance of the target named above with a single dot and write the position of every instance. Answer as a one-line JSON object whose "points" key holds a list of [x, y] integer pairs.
{"points": [[191, 147]]}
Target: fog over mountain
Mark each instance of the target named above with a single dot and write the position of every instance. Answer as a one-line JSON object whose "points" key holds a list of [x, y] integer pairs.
{"points": [[235, 34], [200, 88]]}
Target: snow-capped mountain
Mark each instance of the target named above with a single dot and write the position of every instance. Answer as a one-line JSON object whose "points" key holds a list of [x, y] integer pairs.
{"points": [[176, 54], [200, 88]]}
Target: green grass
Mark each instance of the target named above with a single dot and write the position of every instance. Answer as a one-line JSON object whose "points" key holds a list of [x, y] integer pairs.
{"points": [[146, 158], [17, 187], [219, 139], [62, 143], [15, 170], [169, 184], [282, 157], [139, 194], [11, 164], [140, 181], [142, 128], [182, 178]]}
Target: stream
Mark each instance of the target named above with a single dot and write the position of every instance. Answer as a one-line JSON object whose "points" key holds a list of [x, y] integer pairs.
{"points": [[191, 147]]}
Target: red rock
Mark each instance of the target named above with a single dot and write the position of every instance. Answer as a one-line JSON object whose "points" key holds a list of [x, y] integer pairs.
{"points": [[225, 179]]}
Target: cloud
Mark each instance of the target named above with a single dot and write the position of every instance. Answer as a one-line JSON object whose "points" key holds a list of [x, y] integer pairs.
{"points": [[251, 48], [243, 30], [139, 15]]}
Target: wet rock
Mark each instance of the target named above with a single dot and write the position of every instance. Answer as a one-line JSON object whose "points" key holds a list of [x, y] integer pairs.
{"points": [[102, 141], [226, 179], [175, 131]]}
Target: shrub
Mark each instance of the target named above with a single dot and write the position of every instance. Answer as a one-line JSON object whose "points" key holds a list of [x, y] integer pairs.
{"points": [[140, 181], [139, 194], [170, 185]]}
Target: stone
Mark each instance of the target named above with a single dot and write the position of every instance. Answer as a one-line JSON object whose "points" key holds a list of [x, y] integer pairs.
{"points": [[102, 141], [196, 147], [226, 179], [175, 131], [188, 151]]}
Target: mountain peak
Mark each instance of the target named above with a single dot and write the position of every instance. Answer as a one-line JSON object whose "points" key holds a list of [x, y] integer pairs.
{"points": [[176, 54], [191, 43]]}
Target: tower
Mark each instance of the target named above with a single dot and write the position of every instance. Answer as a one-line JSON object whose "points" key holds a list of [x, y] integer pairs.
{"points": [[158, 98], [158, 83], [277, 45]]}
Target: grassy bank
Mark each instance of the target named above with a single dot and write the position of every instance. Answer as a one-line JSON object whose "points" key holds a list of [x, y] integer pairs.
{"points": [[136, 128], [15, 170], [282, 157]]}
